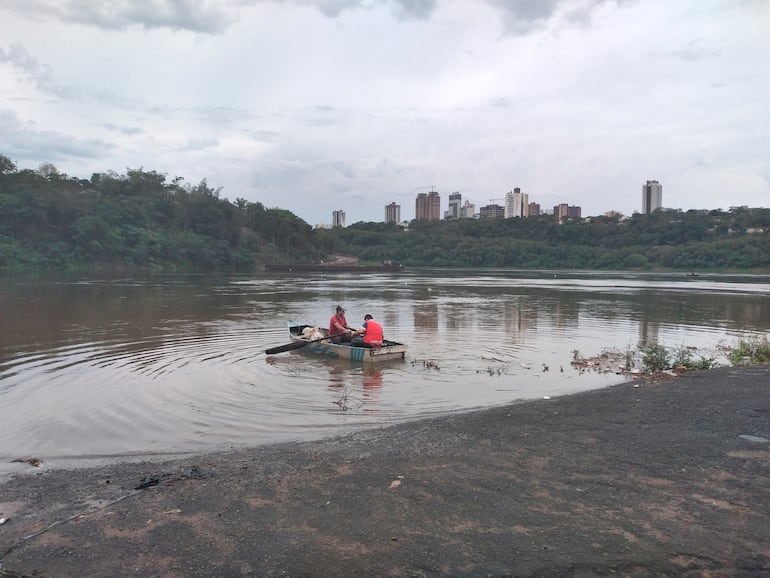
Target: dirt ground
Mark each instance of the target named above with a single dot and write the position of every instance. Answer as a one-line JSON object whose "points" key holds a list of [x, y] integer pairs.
{"points": [[645, 479]]}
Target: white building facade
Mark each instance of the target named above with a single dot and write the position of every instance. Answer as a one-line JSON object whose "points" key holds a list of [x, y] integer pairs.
{"points": [[393, 213], [516, 204], [652, 196]]}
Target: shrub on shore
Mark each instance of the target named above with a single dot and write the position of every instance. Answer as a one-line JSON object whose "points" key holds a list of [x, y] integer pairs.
{"points": [[751, 350], [655, 357]]}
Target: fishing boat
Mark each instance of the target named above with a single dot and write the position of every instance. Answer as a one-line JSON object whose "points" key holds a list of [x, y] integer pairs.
{"points": [[390, 350]]}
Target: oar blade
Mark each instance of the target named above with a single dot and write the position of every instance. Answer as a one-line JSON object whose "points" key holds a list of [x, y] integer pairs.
{"points": [[288, 347]]}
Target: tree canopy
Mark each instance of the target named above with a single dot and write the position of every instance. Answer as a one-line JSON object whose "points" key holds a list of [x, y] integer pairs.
{"points": [[142, 220]]}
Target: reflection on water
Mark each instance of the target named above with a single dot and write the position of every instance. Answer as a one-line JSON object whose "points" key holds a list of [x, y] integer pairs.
{"points": [[101, 368]]}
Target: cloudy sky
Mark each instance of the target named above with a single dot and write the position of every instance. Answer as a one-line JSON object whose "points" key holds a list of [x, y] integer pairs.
{"points": [[317, 105]]}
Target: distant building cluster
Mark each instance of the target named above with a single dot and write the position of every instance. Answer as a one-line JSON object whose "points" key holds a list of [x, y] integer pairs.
{"points": [[515, 204]]}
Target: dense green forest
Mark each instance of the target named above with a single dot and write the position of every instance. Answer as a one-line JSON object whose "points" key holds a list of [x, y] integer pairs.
{"points": [[139, 220], [667, 239]]}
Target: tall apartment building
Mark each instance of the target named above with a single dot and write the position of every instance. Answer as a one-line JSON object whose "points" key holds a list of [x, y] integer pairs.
{"points": [[468, 210], [428, 206], [492, 211], [421, 207], [393, 213], [454, 206], [564, 210], [338, 218], [516, 204], [652, 196], [533, 210]]}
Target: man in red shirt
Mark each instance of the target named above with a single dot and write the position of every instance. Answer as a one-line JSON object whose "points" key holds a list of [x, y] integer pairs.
{"points": [[370, 335], [338, 327]]}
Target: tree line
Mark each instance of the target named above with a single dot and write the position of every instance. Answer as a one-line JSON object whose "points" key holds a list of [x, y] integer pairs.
{"points": [[142, 220], [737, 239], [138, 220]]}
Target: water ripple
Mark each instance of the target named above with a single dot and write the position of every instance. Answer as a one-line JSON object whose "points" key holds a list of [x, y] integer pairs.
{"points": [[105, 369]]}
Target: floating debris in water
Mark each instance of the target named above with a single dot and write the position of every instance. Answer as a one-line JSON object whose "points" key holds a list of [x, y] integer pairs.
{"points": [[426, 363], [31, 461]]}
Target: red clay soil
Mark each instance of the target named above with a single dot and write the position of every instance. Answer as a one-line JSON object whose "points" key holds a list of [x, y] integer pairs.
{"points": [[663, 479]]}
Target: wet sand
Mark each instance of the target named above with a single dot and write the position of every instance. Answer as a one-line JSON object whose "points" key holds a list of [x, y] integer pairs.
{"points": [[640, 479]]}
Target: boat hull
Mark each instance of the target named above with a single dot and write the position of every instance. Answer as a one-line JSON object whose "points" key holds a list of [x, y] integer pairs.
{"points": [[390, 350]]}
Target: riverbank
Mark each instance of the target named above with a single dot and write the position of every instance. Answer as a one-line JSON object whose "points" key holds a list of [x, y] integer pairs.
{"points": [[640, 479]]}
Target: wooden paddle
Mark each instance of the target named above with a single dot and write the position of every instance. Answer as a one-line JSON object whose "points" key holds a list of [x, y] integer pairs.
{"points": [[292, 346]]}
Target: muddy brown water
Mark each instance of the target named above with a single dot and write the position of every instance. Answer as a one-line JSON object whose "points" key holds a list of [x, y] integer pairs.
{"points": [[97, 369]]}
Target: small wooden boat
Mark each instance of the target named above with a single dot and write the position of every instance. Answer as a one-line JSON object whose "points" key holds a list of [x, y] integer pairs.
{"points": [[390, 350]]}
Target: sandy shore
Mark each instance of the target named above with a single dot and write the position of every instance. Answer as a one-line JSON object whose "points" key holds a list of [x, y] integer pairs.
{"points": [[666, 479]]}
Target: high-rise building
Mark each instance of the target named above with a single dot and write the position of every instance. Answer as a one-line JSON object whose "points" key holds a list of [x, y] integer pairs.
{"points": [[421, 207], [393, 213], [516, 204], [454, 206], [534, 209], [338, 218], [564, 210], [427, 206], [492, 211], [574, 212], [434, 206], [468, 210], [652, 196]]}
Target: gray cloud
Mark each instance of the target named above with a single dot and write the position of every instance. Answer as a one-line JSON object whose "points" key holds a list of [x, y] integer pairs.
{"points": [[24, 141], [39, 74], [221, 115], [414, 9], [402, 9], [521, 17], [126, 130], [263, 136], [42, 76], [201, 16], [194, 15], [320, 115], [198, 144], [693, 51]]}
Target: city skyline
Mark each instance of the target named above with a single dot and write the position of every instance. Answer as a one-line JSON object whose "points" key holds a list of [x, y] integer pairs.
{"points": [[515, 204], [351, 103]]}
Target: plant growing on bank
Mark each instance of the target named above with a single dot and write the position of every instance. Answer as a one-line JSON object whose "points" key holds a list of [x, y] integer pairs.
{"points": [[754, 349], [684, 357], [655, 356], [630, 357]]}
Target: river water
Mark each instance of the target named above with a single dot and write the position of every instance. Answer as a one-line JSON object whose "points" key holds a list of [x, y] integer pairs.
{"points": [[99, 369]]}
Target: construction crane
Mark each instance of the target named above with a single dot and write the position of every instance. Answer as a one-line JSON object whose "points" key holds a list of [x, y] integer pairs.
{"points": [[432, 188], [493, 200]]}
